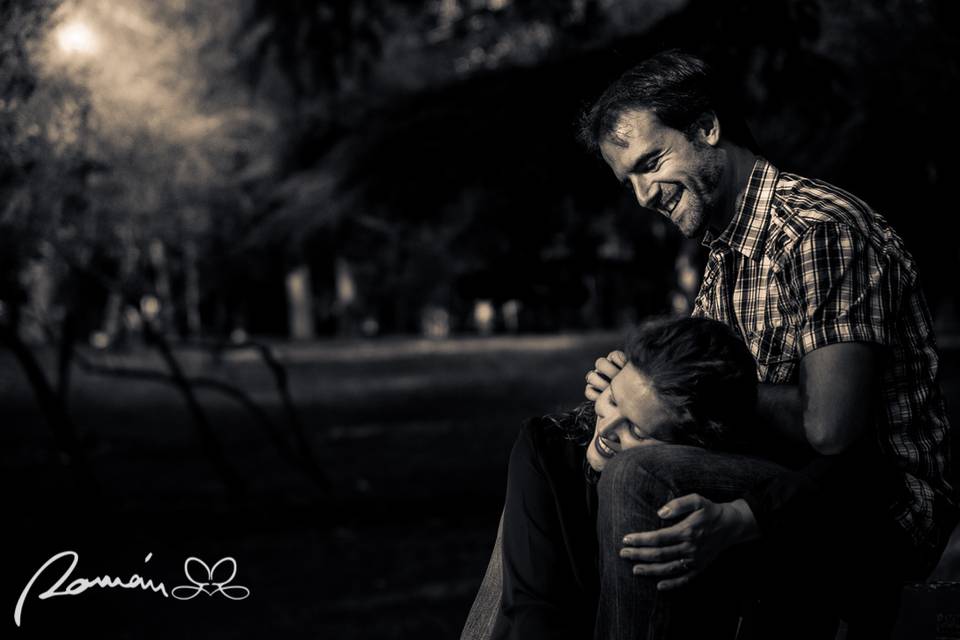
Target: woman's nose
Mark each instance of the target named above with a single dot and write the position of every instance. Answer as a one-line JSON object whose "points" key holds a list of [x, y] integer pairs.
{"points": [[609, 430]]}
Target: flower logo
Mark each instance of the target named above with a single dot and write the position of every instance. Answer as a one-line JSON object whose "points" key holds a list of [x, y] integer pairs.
{"points": [[210, 580]]}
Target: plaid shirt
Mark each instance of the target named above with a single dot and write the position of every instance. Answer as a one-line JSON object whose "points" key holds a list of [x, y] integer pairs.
{"points": [[804, 264]]}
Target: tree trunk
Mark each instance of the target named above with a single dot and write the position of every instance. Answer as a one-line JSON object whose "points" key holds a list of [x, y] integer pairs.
{"points": [[346, 288], [114, 308], [300, 304], [192, 287], [158, 258]]}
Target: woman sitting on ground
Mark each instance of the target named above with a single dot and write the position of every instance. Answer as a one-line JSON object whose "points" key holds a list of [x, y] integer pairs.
{"points": [[685, 381]]}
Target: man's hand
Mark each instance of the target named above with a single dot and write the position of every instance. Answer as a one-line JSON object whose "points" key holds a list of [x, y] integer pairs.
{"points": [[599, 378], [682, 550]]}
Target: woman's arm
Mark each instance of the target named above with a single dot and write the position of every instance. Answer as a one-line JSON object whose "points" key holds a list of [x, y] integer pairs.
{"points": [[541, 596]]}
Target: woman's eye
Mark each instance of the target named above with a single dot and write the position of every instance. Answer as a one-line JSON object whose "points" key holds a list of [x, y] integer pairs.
{"points": [[636, 432]]}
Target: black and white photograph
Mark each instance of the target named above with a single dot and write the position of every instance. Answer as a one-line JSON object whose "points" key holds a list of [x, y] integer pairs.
{"points": [[479, 319]]}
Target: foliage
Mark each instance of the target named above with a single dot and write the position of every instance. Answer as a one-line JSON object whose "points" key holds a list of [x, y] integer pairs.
{"points": [[133, 133], [444, 134], [429, 144]]}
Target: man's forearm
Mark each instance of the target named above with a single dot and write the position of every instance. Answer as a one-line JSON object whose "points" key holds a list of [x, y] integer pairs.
{"points": [[779, 409]]}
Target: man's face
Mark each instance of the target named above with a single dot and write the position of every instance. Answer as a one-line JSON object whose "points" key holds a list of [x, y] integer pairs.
{"points": [[669, 172]]}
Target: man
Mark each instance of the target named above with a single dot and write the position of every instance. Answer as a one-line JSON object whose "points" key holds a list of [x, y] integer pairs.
{"points": [[827, 299]]}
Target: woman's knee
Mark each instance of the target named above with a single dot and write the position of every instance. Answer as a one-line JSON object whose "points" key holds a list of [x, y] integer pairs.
{"points": [[634, 484], [652, 466]]}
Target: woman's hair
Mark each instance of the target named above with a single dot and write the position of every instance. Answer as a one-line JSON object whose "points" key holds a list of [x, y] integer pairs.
{"points": [[700, 369]]}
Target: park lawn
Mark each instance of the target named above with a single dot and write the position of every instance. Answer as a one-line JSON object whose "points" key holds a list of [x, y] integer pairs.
{"points": [[413, 436]]}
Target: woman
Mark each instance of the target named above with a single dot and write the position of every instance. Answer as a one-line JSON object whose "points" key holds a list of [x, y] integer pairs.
{"points": [[686, 381]]}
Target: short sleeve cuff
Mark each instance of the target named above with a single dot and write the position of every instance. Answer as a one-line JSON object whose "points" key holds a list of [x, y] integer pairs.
{"points": [[816, 335]]}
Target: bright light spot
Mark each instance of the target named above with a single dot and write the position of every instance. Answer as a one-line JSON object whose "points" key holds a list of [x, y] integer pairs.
{"points": [[76, 38], [150, 307], [484, 316], [99, 340]]}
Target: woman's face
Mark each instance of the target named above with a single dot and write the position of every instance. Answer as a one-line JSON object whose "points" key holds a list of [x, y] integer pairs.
{"points": [[630, 414]]}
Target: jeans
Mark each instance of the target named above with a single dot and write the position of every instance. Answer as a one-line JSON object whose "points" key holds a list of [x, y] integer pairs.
{"points": [[838, 555], [483, 612]]}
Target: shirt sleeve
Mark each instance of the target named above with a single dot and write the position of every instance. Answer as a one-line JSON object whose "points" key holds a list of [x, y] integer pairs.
{"points": [[845, 291], [843, 286]]}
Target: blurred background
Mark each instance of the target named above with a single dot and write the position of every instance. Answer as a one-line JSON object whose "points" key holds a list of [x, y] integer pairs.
{"points": [[280, 280]]}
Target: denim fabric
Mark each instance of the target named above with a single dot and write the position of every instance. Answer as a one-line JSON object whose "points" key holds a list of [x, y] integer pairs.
{"points": [[634, 485], [483, 612], [839, 553]]}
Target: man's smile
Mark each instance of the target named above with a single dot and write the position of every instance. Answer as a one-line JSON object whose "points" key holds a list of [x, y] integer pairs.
{"points": [[669, 205]]}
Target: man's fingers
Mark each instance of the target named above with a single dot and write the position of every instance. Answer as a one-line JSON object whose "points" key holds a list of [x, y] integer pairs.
{"points": [[657, 554], [679, 507], [591, 393], [674, 534], [676, 582], [673, 569]]}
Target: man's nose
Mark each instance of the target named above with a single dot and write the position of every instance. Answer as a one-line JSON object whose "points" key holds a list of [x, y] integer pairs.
{"points": [[643, 189]]}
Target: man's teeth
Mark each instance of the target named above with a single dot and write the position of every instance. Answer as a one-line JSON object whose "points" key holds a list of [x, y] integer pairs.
{"points": [[672, 203]]}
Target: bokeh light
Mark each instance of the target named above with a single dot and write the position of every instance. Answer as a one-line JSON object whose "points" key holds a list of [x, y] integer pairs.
{"points": [[76, 38]]}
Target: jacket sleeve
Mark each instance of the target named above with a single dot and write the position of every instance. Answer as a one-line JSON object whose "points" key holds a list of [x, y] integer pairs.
{"points": [[539, 593]]}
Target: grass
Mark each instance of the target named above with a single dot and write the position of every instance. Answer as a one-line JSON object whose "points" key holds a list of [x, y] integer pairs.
{"points": [[414, 436]]}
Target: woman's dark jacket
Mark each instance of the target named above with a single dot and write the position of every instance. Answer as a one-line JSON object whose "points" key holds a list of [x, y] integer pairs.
{"points": [[550, 577]]}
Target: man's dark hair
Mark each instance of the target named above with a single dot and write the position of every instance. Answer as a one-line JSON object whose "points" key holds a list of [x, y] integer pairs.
{"points": [[703, 372], [677, 87]]}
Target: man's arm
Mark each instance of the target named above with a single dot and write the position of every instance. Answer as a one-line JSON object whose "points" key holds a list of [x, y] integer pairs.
{"points": [[839, 388], [833, 404]]}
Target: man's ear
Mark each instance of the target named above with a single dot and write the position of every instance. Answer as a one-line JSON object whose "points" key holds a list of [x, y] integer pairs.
{"points": [[707, 127]]}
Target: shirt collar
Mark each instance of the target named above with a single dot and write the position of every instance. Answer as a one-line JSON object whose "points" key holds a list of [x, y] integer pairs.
{"points": [[748, 230]]}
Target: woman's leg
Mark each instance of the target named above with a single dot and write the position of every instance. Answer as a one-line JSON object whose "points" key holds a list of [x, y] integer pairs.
{"points": [[544, 593], [634, 485], [486, 605]]}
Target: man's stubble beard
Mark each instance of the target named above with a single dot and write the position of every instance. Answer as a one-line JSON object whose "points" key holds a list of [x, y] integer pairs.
{"points": [[711, 176]]}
